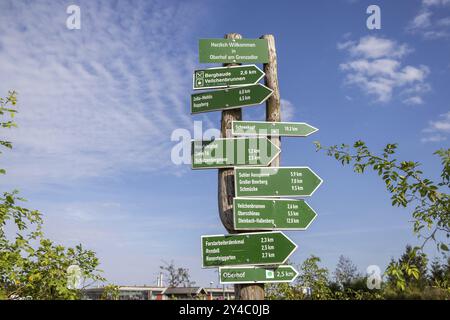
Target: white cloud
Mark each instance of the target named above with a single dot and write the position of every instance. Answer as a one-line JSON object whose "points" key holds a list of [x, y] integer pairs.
{"points": [[442, 125], [375, 66], [99, 100], [434, 138], [435, 2], [422, 20], [375, 47], [287, 110], [438, 130], [413, 100], [428, 21]]}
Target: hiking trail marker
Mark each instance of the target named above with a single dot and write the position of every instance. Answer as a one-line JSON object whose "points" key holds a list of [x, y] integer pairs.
{"points": [[235, 275], [251, 191], [263, 128], [258, 248], [275, 182], [271, 214], [233, 51], [232, 152], [229, 98], [223, 77]]}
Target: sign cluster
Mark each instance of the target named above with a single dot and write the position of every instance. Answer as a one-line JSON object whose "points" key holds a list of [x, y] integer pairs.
{"points": [[260, 206]]}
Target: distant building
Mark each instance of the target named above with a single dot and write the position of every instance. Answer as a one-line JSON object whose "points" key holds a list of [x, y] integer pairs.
{"points": [[129, 293], [220, 293], [164, 293], [186, 293]]}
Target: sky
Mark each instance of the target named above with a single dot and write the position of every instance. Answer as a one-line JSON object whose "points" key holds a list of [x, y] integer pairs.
{"points": [[98, 106]]}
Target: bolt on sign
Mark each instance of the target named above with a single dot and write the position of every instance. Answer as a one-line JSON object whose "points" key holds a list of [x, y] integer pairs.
{"points": [[231, 152], [271, 214], [263, 128], [233, 51], [275, 182], [236, 275], [223, 77], [258, 248], [229, 98]]}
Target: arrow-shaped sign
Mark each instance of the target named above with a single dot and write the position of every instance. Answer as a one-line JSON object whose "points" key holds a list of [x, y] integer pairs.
{"points": [[271, 214], [275, 182], [234, 275], [229, 98], [258, 248], [231, 152], [263, 128], [215, 78]]}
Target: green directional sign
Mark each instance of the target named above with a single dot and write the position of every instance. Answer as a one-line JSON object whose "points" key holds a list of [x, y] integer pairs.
{"points": [[271, 214], [258, 248], [233, 51], [216, 78], [231, 152], [275, 182], [235, 275], [229, 98], [263, 128]]}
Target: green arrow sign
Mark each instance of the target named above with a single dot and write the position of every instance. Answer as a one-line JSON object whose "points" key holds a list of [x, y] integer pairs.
{"points": [[234, 275], [224, 153], [271, 214], [258, 248], [275, 182], [229, 98], [215, 78], [233, 51], [263, 128]]}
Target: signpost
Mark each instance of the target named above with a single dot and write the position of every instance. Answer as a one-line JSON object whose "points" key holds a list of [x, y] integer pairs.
{"points": [[276, 182], [231, 152], [271, 214], [248, 260], [229, 98], [258, 248], [216, 78], [233, 51], [234, 275], [263, 128]]}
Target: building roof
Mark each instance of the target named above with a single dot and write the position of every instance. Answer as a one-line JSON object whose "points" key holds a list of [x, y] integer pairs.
{"points": [[219, 290], [130, 288], [184, 291], [142, 288]]}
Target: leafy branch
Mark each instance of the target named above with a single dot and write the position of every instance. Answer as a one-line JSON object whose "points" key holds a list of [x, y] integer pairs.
{"points": [[406, 184]]}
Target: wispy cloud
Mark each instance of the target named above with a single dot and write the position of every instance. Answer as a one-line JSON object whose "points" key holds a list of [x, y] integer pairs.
{"points": [[98, 100], [439, 130], [374, 64], [287, 110], [433, 20]]}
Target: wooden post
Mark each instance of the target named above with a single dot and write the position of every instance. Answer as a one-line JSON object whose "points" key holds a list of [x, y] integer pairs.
{"points": [[226, 193], [273, 112], [226, 190], [226, 176]]}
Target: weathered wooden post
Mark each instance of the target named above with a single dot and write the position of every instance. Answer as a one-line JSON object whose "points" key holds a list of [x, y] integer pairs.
{"points": [[226, 194], [226, 190], [226, 176], [273, 112]]}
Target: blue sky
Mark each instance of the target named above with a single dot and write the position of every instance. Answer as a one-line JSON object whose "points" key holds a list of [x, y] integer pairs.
{"points": [[98, 106]]}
